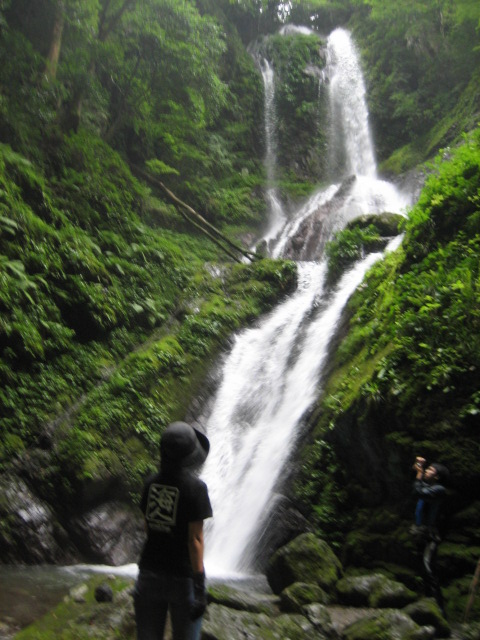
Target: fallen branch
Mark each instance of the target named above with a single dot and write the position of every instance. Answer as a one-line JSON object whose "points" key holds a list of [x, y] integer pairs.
{"points": [[199, 221]]}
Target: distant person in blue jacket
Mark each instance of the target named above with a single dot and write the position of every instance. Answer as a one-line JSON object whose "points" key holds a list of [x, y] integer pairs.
{"points": [[429, 487]]}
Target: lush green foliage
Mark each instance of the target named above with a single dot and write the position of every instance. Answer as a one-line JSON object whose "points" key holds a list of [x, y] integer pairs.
{"points": [[361, 236], [423, 73], [150, 78], [300, 108], [409, 361], [116, 431], [79, 292]]}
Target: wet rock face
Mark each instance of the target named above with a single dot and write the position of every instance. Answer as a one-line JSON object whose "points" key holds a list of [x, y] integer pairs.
{"points": [[111, 533], [29, 529], [283, 525], [309, 240], [31, 533]]}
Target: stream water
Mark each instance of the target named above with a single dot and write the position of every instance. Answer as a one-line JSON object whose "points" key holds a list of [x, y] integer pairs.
{"points": [[273, 374]]}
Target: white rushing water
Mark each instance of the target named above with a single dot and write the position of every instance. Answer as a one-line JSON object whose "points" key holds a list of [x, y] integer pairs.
{"points": [[350, 136], [275, 209], [269, 381], [273, 374]]}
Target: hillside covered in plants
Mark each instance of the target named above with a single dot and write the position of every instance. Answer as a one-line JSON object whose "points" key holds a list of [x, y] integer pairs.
{"points": [[132, 188]]}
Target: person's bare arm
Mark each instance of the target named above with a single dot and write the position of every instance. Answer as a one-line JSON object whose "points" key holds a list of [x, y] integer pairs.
{"points": [[195, 545], [419, 467], [195, 549]]}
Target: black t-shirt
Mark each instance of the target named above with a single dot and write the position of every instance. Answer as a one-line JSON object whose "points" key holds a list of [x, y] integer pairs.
{"points": [[170, 500]]}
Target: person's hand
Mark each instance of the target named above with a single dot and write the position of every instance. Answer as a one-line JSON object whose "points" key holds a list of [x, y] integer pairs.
{"points": [[199, 603], [419, 463]]}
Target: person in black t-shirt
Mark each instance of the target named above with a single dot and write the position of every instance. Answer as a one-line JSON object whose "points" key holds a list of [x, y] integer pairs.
{"points": [[175, 503]]}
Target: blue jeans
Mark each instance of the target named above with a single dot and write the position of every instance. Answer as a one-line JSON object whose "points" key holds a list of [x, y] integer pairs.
{"points": [[154, 595]]}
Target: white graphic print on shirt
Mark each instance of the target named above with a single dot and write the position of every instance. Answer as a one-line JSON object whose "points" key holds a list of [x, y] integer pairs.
{"points": [[162, 507]]}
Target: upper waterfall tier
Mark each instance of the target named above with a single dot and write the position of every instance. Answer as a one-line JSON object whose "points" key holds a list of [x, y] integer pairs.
{"points": [[350, 136]]}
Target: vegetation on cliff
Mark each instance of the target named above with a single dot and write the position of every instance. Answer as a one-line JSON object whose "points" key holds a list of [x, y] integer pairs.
{"points": [[113, 303], [405, 380]]}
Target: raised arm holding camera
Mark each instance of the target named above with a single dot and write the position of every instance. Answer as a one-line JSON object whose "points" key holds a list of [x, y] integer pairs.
{"points": [[429, 487]]}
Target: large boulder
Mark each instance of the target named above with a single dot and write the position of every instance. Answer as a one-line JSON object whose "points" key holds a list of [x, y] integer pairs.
{"points": [[375, 590], [29, 530], [222, 623], [305, 559], [427, 612], [387, 625], [299, 594], [111, 533], [243, 600]]}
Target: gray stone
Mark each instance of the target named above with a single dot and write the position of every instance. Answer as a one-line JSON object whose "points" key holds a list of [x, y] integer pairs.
{"points": [[299, 594], [78, 593], [319, 616], [111, 533], [374, 590], [222, 623], [242, 600], [389, 624], [104, 593], [427, 612]]}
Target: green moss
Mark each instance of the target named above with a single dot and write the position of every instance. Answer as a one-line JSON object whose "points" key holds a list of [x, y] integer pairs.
{"points": [[301, 138], [299, 594], [405, 374], [458, 596], [77, 620]]}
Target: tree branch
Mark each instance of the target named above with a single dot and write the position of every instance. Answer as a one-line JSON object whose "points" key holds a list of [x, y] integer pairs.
{"points": [[198, 221]]}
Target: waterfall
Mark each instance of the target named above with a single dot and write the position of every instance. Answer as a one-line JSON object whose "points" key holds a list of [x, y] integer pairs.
{"points": [[275, 210], [273, 373], [350, 136]]}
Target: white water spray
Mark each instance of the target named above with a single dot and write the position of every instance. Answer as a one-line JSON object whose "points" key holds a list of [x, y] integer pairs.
{"points": [[349, 130], [275, 209], [273, 374], [269, 381]]}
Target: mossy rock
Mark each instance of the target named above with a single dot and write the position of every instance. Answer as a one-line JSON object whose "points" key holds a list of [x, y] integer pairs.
{"points": [[387, 625], [299, 594], [243, 600], [222, 623], [80, 616], [373, 591], [387, 224], [306, 559], [319, 616], [470, 631], [457, 559], [426, 612]]}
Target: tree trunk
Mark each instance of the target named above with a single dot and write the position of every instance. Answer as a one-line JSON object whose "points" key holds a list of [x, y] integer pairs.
{"points": [[199, 221], [55, 43]]}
